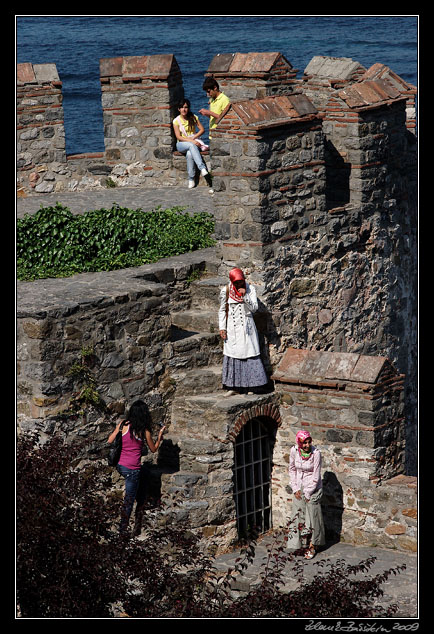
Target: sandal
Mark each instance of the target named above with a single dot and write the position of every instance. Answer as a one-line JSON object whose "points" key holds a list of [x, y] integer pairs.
{"points": [[310, 553]]}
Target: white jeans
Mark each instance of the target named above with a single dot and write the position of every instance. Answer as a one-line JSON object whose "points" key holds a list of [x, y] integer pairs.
{"points": [[193, 157]]}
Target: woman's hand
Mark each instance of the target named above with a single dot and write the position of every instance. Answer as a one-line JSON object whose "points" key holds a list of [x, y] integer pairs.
{"points": [[223, 334], [191, 140], [115, 432], [298, 495], [160, 437]]}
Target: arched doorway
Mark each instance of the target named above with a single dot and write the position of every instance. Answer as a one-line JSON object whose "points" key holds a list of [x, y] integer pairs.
{"points": [[252, 475]]}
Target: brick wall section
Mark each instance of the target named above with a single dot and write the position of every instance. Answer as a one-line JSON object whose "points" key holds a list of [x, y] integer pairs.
{"points": [[368, 144], [40, 126], [335, 274], [203, 430], [408, 91], [263, 153], [124, 316], [139, 94], [353, 407], [324, 76], [349, 401], [126, 329], [244, 76], [139, 98]]}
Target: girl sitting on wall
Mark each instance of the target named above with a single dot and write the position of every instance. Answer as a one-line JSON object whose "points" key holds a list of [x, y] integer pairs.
{"points": [[188, 130]]}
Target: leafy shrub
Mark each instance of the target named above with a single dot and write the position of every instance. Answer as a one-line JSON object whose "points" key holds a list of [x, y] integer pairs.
{"points": [[54, 242], [71, 562]]}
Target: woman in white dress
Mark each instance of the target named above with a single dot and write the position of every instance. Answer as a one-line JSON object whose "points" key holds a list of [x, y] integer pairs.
{"points": [[243, 370]]}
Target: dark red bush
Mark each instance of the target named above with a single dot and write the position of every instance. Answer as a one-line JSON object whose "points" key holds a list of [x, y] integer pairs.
{"points": [[71, 561]]}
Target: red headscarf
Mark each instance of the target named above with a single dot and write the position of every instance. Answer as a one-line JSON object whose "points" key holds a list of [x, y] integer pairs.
{"points": [[236, 275]]}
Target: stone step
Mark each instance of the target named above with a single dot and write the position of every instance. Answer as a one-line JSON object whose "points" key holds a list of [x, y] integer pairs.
{"points": [[180, 267], [208, 415], [198, 321], [197, 380], [192, 349], [205, 293]]}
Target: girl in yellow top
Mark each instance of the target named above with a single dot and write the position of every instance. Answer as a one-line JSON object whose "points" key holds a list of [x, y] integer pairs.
{"points": [[188, 129]]}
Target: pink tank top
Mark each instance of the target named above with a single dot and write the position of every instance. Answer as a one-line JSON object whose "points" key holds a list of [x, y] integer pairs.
{"points": [[131, 451]]}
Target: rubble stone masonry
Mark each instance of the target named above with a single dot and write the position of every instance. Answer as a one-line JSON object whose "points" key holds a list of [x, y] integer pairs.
{"points": [[315, 197]]}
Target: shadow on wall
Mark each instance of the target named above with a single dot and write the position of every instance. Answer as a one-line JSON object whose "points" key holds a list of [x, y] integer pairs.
{"points": [[338, 173], [332, 507], [267, 333]]}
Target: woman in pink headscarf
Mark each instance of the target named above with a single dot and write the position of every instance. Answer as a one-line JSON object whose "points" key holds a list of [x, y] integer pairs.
{"points": [[243, 370], [306, 483]]}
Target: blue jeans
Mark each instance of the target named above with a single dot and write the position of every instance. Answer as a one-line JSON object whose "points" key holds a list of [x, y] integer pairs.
{"points": [[194, 157], [132, 481]]}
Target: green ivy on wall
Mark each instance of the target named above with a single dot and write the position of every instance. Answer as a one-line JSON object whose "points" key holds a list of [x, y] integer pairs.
{"points": [[54, 242]]}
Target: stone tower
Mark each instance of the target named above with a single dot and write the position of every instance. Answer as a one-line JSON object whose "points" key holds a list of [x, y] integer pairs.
{"points": [[317, 201]]}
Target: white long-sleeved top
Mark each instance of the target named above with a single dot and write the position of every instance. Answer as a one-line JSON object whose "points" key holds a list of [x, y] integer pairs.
{"points": [[242, 337], [305, 473]]}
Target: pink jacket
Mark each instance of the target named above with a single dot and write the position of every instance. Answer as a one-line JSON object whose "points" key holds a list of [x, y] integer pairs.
{"points": [[305, 473]]}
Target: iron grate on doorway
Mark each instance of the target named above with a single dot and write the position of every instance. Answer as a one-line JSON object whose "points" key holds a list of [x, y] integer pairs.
{"points": [[253, 455]]}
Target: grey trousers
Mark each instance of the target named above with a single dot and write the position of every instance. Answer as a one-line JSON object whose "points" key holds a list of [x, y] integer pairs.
{"points": [[306, 519]]}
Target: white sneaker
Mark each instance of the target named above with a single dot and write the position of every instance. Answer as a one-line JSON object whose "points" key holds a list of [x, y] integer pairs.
{"points": [[211, 191], [190, 184], [203, 172]]}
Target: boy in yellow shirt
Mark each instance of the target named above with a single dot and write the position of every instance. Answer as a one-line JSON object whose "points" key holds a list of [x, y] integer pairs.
{"points": [[219, 103]]}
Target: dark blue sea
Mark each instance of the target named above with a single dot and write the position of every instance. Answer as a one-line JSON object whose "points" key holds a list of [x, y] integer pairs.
{"points": [[76, 44]]}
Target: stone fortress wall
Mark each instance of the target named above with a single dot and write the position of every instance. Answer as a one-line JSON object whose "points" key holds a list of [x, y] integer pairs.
{"points": [[139, 96], [315, 197]]}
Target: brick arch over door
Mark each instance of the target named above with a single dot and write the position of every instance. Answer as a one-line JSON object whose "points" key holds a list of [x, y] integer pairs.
{"points": [[268, 410]]}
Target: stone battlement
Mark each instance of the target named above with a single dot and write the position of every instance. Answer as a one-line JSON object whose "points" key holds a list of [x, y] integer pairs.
{"points": [[139, 96]]}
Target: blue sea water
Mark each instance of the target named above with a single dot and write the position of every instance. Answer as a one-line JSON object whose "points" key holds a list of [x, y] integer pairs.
{"points": [[76, 44]]}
